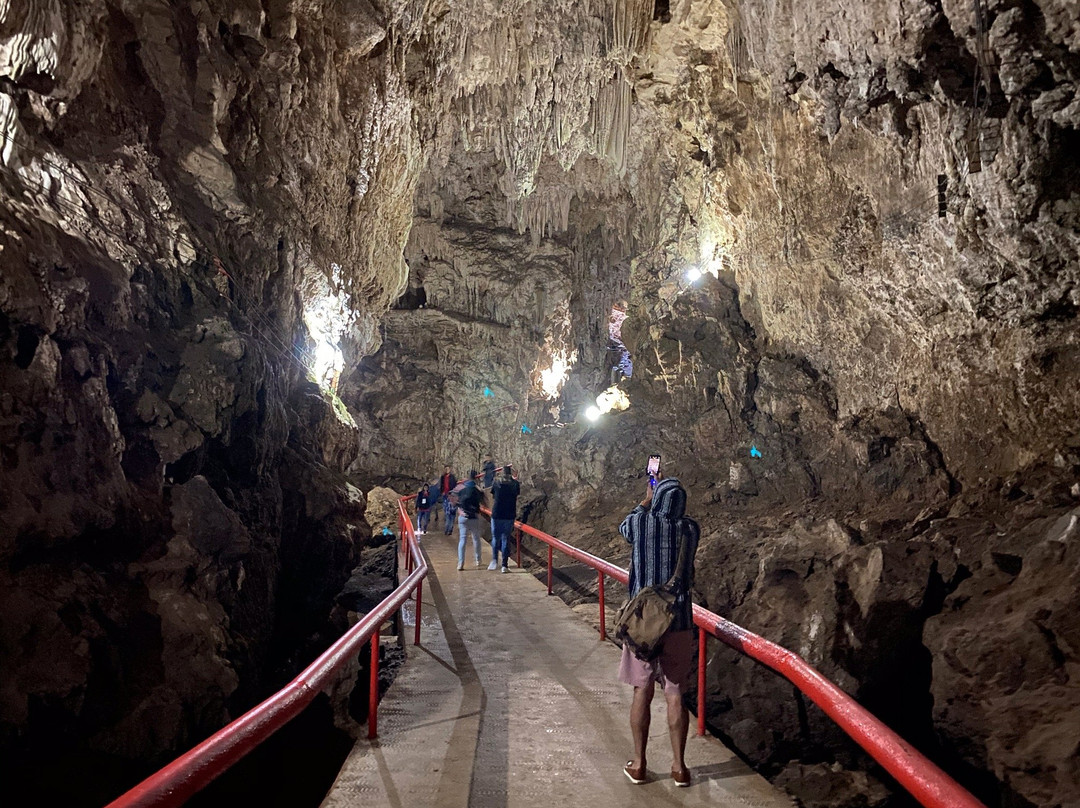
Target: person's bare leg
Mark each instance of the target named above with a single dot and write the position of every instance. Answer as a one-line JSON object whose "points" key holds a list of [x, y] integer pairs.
{"points": [[678, 719], [640, 715]]}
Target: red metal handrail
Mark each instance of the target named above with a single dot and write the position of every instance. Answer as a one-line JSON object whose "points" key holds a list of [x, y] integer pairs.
{"points": [[193, 771], [922, 778]]}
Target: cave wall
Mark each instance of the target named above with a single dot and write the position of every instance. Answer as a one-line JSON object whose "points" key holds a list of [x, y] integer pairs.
{"points": [[907, 379], [194, 195]]}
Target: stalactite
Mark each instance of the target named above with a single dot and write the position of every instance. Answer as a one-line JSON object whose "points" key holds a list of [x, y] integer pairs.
{"points": [[737, 48], [528, 84], [629, 28], [610, 120]]}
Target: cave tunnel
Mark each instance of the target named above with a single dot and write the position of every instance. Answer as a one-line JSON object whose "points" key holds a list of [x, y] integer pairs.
{"points": [[265, 269]]}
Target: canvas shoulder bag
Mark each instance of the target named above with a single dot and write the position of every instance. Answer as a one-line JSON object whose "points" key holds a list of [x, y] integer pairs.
{"points": [[645, 618]]}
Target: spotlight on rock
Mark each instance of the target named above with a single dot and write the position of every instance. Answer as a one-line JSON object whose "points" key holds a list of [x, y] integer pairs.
{"points": [[328, 364], [592, 413], [692, 274]]}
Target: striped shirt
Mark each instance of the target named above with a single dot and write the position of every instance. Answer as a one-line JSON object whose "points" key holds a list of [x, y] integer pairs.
{"points": [[654, 539]]}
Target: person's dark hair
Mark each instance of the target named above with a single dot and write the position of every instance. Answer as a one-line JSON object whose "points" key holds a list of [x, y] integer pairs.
{"points": [[508, 470], [472, 474]]}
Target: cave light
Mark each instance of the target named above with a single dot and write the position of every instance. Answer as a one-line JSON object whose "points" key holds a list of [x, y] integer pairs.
{"points": [[328, 363], [713, 250], [552, 379], [612, 399], [693, 274], [328, 316], [592, 413]]}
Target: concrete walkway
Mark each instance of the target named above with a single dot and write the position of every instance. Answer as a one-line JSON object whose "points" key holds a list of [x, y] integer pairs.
{"points": [[512, 700]]}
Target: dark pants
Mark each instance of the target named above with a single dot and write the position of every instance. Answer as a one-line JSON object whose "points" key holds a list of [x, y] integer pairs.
{"points": [[501, 529], [422, 517], [448, 512]]}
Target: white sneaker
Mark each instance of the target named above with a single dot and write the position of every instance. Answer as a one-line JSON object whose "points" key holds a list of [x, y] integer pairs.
{"points": [[504, 569], [478, 562], [494, 565], [461, 565]]}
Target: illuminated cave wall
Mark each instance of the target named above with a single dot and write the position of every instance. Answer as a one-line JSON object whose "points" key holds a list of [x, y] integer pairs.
{"points": [[870, 389]]}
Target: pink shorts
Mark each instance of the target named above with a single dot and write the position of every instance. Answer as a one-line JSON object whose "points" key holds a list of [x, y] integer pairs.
{"points": [[673, 669]]}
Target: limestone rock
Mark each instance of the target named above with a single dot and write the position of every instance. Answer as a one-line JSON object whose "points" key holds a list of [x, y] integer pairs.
{"points": [[1030, 599]]}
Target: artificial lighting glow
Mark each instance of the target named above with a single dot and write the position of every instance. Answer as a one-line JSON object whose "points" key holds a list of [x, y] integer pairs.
{"points": [[612, 399], [328, 316], [552, 379], [592, 413], [692, 274], [329, 361]]}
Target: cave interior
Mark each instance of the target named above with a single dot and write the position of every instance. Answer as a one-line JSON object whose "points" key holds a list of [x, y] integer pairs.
{"points": [[264, 266]]}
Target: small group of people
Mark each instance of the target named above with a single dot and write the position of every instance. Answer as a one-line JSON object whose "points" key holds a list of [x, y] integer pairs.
{"points": [[461, 502]]}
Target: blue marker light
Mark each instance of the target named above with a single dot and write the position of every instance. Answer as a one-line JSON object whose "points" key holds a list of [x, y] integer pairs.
{"points": [[525, 430], [754, 452], [488, 393]]}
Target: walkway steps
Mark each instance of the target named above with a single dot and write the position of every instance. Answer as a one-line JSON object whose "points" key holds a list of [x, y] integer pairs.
{"points": [[511, 701]]}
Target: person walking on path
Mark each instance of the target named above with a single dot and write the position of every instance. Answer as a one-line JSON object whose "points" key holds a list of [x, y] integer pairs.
{"points": [[489, 472], [447, 483], [424, 502], [654, 529], [469, 498], [503, 512]]}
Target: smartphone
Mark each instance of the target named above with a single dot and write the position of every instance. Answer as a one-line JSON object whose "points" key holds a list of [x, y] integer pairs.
{"points": [[653, 468]]}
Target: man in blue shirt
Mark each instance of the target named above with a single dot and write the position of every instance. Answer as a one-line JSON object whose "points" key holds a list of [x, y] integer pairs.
{"points": [[503, 514], [489, 471]]}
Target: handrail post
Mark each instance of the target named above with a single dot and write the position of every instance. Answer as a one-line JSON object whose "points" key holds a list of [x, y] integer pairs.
{"points": [[373, 695], [549, 569], [419, 600], [518, 548], [603, 614], [702, 639]]}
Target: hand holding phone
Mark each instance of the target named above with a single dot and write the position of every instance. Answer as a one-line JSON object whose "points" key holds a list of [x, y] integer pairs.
{"points": [[653, 469]]}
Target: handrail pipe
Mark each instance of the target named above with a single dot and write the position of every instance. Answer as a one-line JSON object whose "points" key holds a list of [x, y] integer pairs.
{"points": [[922, 778], [194, 770]]}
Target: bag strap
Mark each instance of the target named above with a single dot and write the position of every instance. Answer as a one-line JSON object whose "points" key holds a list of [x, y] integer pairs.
{"points": [[678, 574]]}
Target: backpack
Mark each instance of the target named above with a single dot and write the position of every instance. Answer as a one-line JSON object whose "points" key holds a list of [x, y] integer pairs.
{"points": [[469, 501], [643, 620]]}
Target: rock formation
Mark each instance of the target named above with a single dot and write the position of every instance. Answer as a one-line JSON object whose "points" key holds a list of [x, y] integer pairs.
{"points": [[257, 257]]}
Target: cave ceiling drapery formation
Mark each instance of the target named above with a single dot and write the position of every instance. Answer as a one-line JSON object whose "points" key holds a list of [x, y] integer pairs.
{"points": [[215, 212]]}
